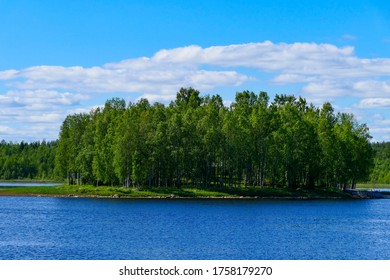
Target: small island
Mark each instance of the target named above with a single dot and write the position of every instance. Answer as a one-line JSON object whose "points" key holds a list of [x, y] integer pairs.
{"points": [[197, 147]]}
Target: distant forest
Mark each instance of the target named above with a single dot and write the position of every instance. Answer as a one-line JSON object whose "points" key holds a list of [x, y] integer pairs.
{"points": [[23, 160], [198, 141], [380, 172]]}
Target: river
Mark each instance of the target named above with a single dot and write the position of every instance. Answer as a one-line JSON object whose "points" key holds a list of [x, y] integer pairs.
{"points": [[82, 228], [27, 184]]}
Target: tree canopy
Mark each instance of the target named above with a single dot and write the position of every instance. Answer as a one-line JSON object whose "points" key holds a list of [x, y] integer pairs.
{"points": [[381, 171], [198, 141], [27, 160]]}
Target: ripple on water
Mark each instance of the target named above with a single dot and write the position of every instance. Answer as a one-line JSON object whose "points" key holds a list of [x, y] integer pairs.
{"points": [[69, 228]]}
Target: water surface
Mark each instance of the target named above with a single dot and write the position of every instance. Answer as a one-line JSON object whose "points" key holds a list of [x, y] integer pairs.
{"points": [[27, 184], [81, 228]]}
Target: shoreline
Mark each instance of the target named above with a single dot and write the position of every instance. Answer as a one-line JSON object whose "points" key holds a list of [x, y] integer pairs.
{"points": [[174, 197], [89, 191]]}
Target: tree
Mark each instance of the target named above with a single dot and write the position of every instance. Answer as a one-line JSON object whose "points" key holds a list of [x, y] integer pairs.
{"points": [[355, 153], [261, 131], [106, 122], [198, 141], [69, 147]]}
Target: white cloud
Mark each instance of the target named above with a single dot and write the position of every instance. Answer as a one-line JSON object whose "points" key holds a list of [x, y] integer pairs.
{"points": [[383, 122], [171, 69], [348, 88], [42, 95], [8, 74], [33, 100], [180, 55], [374, 103], [6, 129], [294, 58], [292, 78], [34, 114], [381, 130], [328, 88], [135, 75], [46, 118], [372, 88]]}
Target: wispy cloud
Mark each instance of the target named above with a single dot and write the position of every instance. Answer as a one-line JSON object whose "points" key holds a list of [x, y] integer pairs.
{"points": [[349, 37], [374, 103], [34, 114]]}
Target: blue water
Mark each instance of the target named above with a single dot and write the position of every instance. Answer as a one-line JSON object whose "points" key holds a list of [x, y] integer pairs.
{"points": [[26, 184], [79, 228]]}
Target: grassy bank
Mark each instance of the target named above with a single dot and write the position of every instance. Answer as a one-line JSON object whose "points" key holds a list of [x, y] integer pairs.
{"points": [[372, 186], [120, 192]]}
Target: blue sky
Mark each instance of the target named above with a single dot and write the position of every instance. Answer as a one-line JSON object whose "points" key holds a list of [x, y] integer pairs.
{"points": [[62, 57]]}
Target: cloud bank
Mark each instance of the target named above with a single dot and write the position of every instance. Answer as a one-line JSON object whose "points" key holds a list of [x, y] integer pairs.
{"points": [[43, 95]]}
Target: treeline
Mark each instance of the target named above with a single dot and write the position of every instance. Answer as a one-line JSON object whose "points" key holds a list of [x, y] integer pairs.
{"points": [[27, 160], [381, 171], [197, 141]]}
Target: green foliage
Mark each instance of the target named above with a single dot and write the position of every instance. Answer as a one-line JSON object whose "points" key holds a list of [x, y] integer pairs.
{"points": [[197, 141], [381, 171], [27, 160]]}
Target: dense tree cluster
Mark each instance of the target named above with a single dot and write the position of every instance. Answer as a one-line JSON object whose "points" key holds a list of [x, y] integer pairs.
{"points": [[381, 171], [199, 141], [27, 160]]}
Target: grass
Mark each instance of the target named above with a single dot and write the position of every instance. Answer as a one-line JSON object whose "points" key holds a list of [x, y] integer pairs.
{"points": [[105, 191], [372, 186]]}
